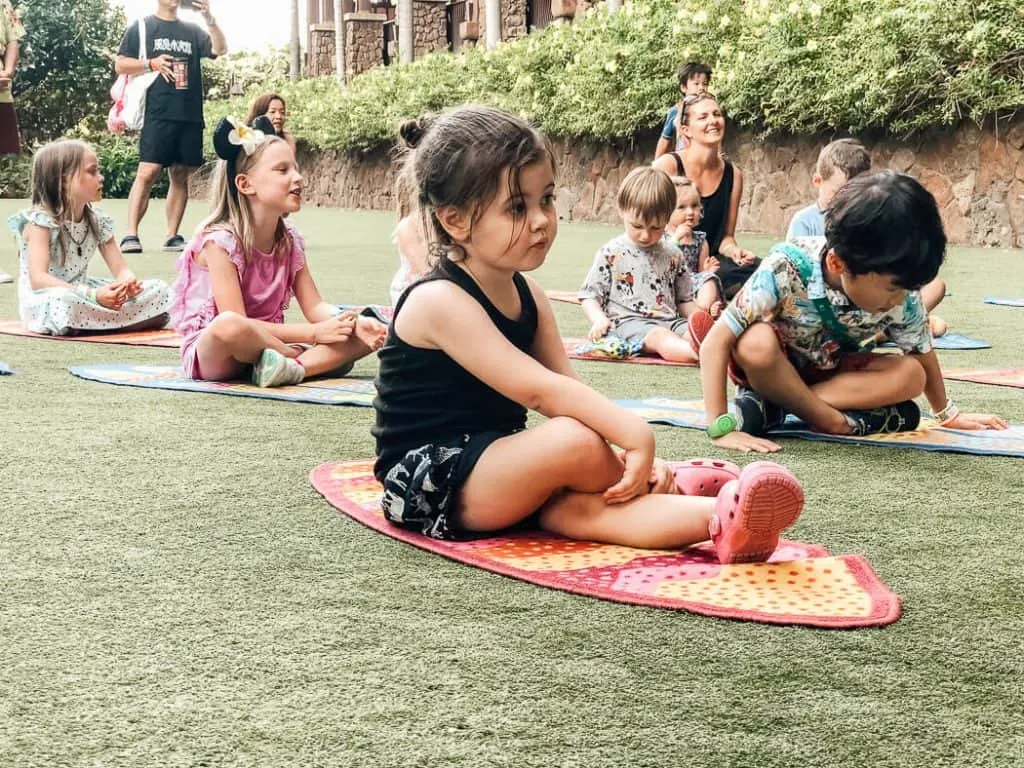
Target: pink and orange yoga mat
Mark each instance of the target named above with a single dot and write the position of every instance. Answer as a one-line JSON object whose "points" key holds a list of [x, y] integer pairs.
{"points": [[165, 337], [1001, 377], [802, 584], [572, 349]]}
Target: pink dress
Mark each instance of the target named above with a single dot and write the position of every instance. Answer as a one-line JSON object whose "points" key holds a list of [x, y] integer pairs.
{"points": [[267, 287]]}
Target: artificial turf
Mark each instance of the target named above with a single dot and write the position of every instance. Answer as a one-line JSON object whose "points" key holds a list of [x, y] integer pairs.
{"points": [[173, 592]]}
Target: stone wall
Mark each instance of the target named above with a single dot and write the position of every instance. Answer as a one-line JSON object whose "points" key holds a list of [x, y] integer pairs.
{"points": [[364, 41], [513, 19], [976, 175], [320, 53], [429, 24]]}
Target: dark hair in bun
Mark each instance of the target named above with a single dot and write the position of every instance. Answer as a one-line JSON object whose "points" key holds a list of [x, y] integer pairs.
{"points": [[413, 131]]}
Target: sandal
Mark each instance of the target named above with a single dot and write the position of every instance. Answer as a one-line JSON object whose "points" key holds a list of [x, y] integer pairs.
{"points": [[703, 477], [752, 511]]}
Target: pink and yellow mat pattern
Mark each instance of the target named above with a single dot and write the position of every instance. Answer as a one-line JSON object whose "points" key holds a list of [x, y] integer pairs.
{"points": [[1000, 377], [802, 584], [337, 391], [928, 437], [165, 337]]}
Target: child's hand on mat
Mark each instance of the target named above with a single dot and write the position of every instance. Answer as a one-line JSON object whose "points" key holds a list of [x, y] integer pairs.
{"points": [[599, 328], [334, 330], [662, 479], [741, 441], [111, 296], [977, 421], [371, 331]]}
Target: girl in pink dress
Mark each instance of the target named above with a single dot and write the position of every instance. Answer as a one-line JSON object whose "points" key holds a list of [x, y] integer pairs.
{"points": [[237, 276]]}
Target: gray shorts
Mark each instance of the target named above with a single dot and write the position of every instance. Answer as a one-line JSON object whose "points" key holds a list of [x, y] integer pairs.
{"points": [[635, 329]]}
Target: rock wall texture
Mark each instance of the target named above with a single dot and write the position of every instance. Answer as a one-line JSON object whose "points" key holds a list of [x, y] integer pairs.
{"points": [[976, 175], [429, 22]]}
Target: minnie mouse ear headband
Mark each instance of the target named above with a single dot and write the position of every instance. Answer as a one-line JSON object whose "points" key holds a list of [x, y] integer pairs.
{"points": [[233, 137]]}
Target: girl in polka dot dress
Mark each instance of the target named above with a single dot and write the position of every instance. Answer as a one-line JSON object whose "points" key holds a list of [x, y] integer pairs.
{"points": [[57, 238]]}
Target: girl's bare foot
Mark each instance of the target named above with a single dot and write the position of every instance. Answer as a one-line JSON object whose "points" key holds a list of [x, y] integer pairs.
{"points": [[371, 332]]}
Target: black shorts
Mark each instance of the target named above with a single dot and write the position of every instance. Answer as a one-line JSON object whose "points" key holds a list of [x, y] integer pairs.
{"points": [[421, 490], [169, 142]]}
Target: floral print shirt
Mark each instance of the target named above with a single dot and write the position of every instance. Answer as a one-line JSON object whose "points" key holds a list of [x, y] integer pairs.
{"points": [[630, 281], [776, 293]]}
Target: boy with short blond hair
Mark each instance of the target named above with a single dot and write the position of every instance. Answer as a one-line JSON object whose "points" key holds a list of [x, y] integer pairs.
{"points": [[838, 162], [639, 286]]}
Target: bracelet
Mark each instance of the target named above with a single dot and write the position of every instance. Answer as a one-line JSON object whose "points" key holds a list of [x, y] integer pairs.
{"points": [[92, 296], [947, 414], [145, 65], [722, 426]]}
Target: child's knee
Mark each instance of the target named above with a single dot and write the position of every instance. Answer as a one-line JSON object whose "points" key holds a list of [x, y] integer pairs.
{"points": [[757, 348], [575, 440], [912, 374], [228, 326]]}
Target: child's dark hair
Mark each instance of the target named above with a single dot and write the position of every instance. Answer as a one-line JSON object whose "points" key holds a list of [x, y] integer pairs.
{"points": [[458, 159], [887, 223], [846, 155], [691, 69]]}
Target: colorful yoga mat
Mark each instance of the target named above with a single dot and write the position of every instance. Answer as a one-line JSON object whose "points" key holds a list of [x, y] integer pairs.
{"points": [[930, 437], [1002, 377], [802, 584], [166, 337], [340, 391], [572, 346]]}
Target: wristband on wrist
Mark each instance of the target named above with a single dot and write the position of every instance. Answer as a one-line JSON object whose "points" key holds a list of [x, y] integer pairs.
{"points": [[145, 65], [722, 426], [947, 414]]}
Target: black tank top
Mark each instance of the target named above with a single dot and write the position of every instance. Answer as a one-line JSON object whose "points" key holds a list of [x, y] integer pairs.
{"points": [[424, 396], [715, 205]]}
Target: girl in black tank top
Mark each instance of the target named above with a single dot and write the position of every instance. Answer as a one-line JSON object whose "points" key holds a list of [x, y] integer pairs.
{"points": [[474, 344]]}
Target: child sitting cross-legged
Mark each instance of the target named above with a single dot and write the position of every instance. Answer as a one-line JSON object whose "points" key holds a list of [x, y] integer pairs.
{"points": [[639, 286], [474, 344], [838, 162], [798, 337], [238, 275]]}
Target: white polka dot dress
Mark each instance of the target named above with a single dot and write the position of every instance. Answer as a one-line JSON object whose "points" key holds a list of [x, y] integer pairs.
{"points": [[61, 311]]}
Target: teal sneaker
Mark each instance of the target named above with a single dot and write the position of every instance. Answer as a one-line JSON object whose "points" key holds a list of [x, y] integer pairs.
{"points": [[275, 370]]}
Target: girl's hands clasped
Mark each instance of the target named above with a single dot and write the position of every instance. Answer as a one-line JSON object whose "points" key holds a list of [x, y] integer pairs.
{"points": [[334, 330]]}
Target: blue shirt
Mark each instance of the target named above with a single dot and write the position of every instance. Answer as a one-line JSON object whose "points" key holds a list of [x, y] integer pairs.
{"points": [[807, 222], [669, 131]]}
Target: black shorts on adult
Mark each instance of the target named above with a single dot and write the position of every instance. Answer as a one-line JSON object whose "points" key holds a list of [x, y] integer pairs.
{"points": [[169, 142]]}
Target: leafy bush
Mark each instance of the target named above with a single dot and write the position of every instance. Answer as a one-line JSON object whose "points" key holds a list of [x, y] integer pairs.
{"points": [[66, 70], [248, 71], [780, 66]]}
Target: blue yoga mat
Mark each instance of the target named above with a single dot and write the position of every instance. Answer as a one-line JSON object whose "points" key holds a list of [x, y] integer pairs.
{"points": [[5, 369], [929, 437], [949, 341], [1004, 302], [340, 391]]}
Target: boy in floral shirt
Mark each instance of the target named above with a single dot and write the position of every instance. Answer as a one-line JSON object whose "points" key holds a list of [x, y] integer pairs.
{"points": [[639, 287], [799, 336]]}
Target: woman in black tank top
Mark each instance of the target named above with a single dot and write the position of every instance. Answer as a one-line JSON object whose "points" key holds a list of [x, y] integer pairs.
{"points": [[701, 121], [474, 345]]}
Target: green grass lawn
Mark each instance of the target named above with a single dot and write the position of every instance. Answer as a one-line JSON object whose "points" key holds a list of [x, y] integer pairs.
{"points": [[173, 592]]}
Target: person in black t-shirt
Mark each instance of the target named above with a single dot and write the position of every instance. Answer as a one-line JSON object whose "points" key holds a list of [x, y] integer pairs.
{"points": [[172, 131]]}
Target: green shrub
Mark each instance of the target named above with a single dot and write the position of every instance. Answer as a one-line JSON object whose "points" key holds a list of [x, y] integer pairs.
{"points": [[247, 71], [780, 66]]}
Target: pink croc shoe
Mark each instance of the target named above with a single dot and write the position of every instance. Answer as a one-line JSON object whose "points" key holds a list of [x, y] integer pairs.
{"points": [[752, 511], [698, 326], [703, 477]]}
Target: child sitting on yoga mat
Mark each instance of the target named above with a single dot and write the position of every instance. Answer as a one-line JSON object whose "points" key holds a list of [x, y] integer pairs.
{"points": [[474, 344], [57, 238], [694, 245], [800, 334], [639, 286], [237, 276], [838, 162], [409, 238]]}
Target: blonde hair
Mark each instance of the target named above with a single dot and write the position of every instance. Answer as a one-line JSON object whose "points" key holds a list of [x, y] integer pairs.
{"points": [[846, 155], [231, 210], [52, 168], [648, 192]]}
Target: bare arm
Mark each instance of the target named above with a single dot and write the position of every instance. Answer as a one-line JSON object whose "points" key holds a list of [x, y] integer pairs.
{"points": [[439, 315], [935, 391], [729, 247], [11, 54], [412, 244], [666, 163], [219, 43], [111, 253], [548, 349], [664, 145], [39, 277]]}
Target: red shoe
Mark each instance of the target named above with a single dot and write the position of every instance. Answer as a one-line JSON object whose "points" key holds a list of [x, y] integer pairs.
{"points": [[752, 511], [703, 477], [698, 326]]}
